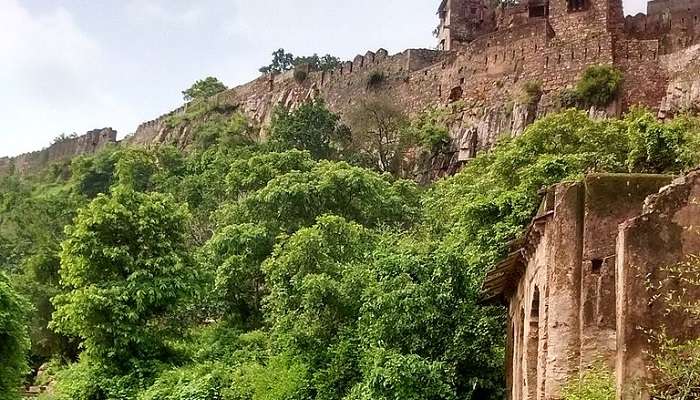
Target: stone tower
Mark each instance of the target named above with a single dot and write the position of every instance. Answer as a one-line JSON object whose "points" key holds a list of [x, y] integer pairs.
{"points": [[463, 20]]}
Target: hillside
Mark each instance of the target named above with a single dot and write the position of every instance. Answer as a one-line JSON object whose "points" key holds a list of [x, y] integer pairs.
{"points": [[513, 215]]}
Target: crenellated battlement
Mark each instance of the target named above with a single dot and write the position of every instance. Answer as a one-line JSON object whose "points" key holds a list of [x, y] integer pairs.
{"points": [[484, 64]]}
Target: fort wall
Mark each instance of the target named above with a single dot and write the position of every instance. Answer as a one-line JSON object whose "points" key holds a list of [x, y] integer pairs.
{"points": [[502, 49], [63, 150]]}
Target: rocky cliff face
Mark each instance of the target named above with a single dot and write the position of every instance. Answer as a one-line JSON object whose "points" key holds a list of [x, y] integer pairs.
{"points": [[63, 150]]}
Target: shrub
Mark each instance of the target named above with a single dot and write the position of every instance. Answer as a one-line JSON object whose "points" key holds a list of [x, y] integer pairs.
{"points": [[598, 383], [599, 85], [531, 92], [375, 79], [676, 364], [569, 98], [430, 129], [300, 76], [677, 368]]}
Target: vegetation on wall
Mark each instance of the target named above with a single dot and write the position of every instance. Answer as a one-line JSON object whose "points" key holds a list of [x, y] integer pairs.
{"points": [[295, 269], [283, 61], [375, 79], [598, 87], [596, 383], [203, 89]]}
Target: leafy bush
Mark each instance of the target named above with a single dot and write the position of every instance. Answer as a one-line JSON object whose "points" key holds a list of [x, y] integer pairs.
{"points": [[14, 340], [596, 383], [569, 98], [599, 85], [88, 379], [375, 79], [677, 368], [531, 92], [430, 128], [662, 147], [300, 75]]}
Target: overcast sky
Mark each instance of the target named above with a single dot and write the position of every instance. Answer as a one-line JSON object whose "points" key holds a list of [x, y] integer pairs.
{"points": [[74, 65]]}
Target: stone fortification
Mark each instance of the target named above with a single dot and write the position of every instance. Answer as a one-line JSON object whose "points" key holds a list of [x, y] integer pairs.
{"points": [[489, 55], [61, 151], [486, 56]]}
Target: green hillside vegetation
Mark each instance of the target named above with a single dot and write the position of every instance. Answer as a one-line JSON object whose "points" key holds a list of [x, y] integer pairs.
{"points": [[295, 269]]}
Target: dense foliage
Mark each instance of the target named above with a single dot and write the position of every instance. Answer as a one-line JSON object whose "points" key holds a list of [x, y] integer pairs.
{"points": [[288, 270], [14, 341]]}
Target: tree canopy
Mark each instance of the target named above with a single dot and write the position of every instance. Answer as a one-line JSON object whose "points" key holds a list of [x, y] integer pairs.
{"points": [[299, 268], [203, 89]]}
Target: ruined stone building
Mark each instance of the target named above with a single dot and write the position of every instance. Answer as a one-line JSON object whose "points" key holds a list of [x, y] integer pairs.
{"points": [[576, 285]]}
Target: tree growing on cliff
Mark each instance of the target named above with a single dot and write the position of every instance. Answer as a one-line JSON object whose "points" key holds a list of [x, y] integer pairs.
{"points": [[125, 267], [380, 132], [283, 61], [311, 127], [599, 85], [203, 89], [14, 342]]}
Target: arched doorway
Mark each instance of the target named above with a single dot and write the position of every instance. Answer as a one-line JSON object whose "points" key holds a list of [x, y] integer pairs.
{"points": [[533, 342]]}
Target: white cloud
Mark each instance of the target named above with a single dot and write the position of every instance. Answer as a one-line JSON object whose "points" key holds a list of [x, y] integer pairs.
{"points": [[53, 77], [168, 12]]}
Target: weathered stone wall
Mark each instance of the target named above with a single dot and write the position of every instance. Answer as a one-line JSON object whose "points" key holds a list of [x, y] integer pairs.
{"points": [[664, 235], [562, 307], [64, 150], [499, 51], [675, 23]]}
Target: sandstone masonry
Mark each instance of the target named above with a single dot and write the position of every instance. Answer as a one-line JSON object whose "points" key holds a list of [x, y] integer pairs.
{"points": [[91, 142], [485, 55], [576, 285]]}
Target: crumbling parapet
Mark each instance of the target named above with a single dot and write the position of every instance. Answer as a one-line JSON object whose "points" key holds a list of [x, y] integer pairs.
{"points": [[665, 234]]}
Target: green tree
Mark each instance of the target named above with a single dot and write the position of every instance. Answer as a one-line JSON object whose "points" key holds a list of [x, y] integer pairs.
{"points": [[316, 63], [92, 175], [14, 341], [281, 61], [380, 131], [126, 268], [310, 127], [203, 89], [234, 256]]}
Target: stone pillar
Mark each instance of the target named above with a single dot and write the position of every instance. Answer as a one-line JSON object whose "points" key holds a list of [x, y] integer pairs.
{"points": [[564, 283]]}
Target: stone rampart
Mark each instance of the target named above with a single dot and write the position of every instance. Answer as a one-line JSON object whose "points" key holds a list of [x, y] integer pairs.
{"points": [[60, 151]]}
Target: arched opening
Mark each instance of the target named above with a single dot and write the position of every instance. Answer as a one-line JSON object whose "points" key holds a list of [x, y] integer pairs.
{"points": [[456, 94], [533, 343], [519, 378]]}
